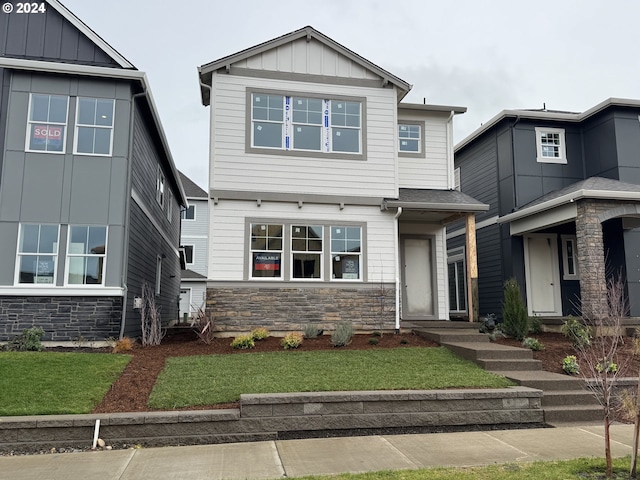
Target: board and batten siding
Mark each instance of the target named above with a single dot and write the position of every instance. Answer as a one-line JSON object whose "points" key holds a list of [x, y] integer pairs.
{"points": [[227, 260], [432, 171], [232, 168]]}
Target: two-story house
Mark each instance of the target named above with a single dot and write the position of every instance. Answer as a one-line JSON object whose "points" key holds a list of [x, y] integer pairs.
{"points": [[194, 243], [89, 194], [564, 191], [329, 196]]}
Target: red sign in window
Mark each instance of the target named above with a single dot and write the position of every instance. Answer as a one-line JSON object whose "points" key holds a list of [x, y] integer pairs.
{"points": [[47, 132], [267, 262]]}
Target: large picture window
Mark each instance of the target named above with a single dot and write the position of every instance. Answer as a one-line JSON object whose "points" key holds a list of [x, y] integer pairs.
{"points": [[47, 124], [300, 123], [306, 251], [266, 250], [346, 252], [37, 254], [94, 126], [86, 254]]}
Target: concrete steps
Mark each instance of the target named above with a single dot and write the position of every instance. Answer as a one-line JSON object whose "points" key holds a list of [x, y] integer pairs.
{"points": [[565, 400]]}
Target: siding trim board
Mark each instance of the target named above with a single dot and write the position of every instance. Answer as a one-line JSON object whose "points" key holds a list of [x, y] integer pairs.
{"points": [[136, 198], [62, 291]]}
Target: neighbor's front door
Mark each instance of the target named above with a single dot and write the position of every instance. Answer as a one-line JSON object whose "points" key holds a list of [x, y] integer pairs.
{"points": [[417, 278], [543, 275]]}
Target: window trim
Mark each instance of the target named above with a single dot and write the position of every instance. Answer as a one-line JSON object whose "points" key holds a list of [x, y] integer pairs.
{"points": [[321, 253], [161, 183], [158, 286], [249, 257], [68, 256], [185, 219], [249, 148], [422, 153], [79, 125], [193, 253], [562, 149], [565, 258], [32, 122], [169, 205], [332, 253], [56, 255], [454, 256]]}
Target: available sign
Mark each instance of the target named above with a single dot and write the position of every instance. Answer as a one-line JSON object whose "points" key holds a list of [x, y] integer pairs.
{"points": [[267, 262]]}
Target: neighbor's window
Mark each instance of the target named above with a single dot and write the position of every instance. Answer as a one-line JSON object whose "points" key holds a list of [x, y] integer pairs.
{"points": [[409, 138], [86, 255], [47, 124], [306, 124], [188, 254], [346, 252], [94, 126], [266, 250], [457, 280], [570, 258], [306, 251], [37, 254], [550, 143], [188, 213]]}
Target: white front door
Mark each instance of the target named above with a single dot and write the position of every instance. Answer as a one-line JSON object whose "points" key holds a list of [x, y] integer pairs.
{"points": [[417, 278], [543, 275], [185, 303]]}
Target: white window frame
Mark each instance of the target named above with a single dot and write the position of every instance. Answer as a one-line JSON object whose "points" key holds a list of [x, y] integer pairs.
{"points": [[184, 217], [169, 205], [293, 252], [158, 288], [454, 256], [53, 254], [95, 127], [160, 186], [266, 250], [566, 275], [193, 253], [333, 253], [456, 179], [420, 138], [562, 149], [31, 123], [70, 255]]}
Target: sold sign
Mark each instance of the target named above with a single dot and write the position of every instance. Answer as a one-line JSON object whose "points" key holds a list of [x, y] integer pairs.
{"points": [[47, 132]]}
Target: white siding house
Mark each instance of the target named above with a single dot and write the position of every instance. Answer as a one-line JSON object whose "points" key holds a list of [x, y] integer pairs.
{"points": [[329, 197]]}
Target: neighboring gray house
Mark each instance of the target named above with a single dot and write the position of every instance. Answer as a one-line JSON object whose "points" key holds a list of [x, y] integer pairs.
{"points": [[89, 194], [195, 245], [564, 190]]}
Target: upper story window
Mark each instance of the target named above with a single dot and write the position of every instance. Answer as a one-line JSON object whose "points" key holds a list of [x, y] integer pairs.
{"points": [[37, 254], [169, 205], [94, 126], [306, 124], [551, 146], [188, 254], [188, 213], [86, 255], [160, 187], [409, 138], [47, 124]]}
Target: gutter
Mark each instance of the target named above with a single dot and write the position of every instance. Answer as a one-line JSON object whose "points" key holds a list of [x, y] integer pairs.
{"points": [[396, 249]]}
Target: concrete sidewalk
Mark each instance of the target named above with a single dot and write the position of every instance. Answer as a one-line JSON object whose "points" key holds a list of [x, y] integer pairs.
{"points": [[295, 458]]}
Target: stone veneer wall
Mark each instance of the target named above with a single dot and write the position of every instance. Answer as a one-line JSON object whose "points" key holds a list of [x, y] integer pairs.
{"points": [[61, 318], [240, 309]]}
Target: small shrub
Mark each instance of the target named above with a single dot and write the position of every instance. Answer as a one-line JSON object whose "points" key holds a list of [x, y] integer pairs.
{"points": [[243, 342], [373, 341], [532, 344], [514, 312], [260, 333], [125, 344], [203, 326], [575, 331], [535, 325], [606, 366], [291, 340], [311, 330], [341, 336], [376, 333], [404, 341], [27, 341], [570, 365], [488, 323]]}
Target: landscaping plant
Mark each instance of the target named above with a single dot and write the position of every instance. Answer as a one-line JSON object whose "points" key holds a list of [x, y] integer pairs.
{"points": [[291, 340], [27, 341], [532, 344], [341, 336], [260, 333], [243, 342], [575, 331], [203, 326], [570, 365], [515, 320], [150, 317], [311, 330]]}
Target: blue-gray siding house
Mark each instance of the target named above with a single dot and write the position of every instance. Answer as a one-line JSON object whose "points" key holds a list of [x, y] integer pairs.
{"points": [[564, 190], [89, 194]]}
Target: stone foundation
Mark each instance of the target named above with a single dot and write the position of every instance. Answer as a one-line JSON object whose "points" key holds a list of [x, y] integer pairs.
{"points": [[240, 309], [63, 319]]}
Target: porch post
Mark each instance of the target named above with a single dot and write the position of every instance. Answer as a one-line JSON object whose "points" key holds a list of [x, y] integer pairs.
{"points": [[472, 268]]}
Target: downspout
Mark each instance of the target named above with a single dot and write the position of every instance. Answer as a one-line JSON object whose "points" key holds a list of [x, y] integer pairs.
{"points": [[396, 249], [125, 236], [450, 180]]}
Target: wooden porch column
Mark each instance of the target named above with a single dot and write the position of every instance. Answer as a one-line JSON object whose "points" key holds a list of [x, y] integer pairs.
{"points": [[472, 268]]}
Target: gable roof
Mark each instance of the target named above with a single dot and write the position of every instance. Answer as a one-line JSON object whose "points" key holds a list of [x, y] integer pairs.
{"points": [[438, 200], [205, 71], [190, 188], [549, 115]]}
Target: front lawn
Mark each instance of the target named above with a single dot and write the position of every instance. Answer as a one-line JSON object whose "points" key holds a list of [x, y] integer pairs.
{"points": [[48, 383], [212, 379]]}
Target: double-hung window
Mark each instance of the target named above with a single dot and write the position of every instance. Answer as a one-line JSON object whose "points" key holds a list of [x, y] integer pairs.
{"points": [[346, 252], [37, 254], [306, 124], [550, 145], [409, 138], [94, 126], [266, 250], [47, 124], [86, 255], [307, 251]]}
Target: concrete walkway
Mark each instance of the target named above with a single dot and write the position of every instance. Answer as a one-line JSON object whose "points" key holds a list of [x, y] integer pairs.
{"points": [[322, 456]]}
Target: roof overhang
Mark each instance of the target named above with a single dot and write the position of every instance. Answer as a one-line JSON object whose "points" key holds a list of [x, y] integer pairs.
{"points": [[104, 72], [424, 107]]}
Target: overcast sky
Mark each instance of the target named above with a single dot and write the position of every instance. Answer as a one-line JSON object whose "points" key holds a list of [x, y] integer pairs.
{"points": [[486, 55]]}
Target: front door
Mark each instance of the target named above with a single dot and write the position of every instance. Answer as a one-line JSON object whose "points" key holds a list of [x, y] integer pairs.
{"points": [[543, 275], [417, 278], [185, 303]]}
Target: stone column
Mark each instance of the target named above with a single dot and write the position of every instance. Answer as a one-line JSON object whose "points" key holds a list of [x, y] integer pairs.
{"points": [[590, 246]]}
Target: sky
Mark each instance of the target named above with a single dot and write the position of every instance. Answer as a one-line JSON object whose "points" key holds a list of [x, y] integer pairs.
{"points": [[486, 55]]}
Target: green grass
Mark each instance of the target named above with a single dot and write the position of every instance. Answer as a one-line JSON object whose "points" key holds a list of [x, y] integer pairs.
{"points": [[211, 379], [582, 469], [48, 383]]}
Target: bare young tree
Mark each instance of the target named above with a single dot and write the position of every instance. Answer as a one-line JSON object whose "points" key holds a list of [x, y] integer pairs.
{"points": [[150, 318]]}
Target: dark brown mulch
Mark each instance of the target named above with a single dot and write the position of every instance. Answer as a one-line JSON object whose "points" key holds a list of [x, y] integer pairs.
{"points": [[131, 391]]}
